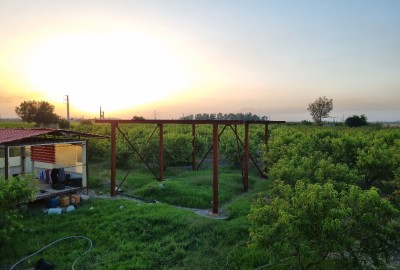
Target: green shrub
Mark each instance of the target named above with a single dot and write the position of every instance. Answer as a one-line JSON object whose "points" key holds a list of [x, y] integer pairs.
{"points": [[14, 192], [301, 226]]}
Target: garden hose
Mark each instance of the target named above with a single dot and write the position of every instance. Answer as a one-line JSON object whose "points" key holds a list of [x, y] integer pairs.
{"points": [[59, 240]]}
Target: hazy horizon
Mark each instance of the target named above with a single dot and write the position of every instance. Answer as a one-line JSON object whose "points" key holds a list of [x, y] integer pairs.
{"points": [[167, 59]]}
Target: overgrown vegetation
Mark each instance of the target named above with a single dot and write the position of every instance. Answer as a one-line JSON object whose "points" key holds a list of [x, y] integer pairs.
{"points": [[331, 198], [329, 203], [129, 234], [304, 225], [14, 193]]}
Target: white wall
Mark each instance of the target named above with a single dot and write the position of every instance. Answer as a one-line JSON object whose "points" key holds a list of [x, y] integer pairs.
{"points": [[69, 156]]}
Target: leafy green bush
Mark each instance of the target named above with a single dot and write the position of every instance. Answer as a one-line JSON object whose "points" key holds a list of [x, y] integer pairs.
{"points": [[13, 193], [365, 154], [63, 123], [177, 149], [315, 168], [356, 121], [378, 161], [303, 226]]}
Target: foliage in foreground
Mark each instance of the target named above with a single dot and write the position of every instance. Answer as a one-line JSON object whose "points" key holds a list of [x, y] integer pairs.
{"points": [[13, 193], [128, 235], [303, 226]]}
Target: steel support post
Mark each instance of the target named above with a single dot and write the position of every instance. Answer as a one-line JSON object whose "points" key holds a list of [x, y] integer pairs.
{"points": [[161, 153], [246, 158], [215, 169], [6, 162], [193, 147], [87, 166], [113, 157]]}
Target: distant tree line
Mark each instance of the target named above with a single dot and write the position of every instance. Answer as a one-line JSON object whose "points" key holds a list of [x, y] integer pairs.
{"points": [[220, 116]]}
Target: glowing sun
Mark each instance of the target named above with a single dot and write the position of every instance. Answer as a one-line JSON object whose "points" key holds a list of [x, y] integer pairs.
{"points": [[113, 70]]}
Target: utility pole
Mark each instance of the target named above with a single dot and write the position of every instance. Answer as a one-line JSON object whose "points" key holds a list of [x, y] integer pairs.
{"points": [[67, 99], [101, 114]]}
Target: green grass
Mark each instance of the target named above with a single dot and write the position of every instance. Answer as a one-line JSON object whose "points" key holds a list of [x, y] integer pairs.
{"points": [[181, 186], [142, 235], [13, 123]]}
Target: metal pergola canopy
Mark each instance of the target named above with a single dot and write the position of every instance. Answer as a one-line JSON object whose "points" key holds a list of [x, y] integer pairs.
{"points": [[215, 133]]}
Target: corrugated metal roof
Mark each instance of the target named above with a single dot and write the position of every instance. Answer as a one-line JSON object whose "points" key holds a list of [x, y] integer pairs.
{"points": [[8, 135], [16, 134]]}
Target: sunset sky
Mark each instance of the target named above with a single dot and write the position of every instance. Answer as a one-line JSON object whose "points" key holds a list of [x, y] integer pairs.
{"points": [[170, 58]]}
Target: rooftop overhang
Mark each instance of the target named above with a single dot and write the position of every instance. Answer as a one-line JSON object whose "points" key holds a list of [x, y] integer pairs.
{"points": [[20, 136]]}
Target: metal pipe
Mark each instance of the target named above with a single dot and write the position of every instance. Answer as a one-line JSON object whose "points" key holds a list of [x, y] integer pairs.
{"points": [[87, 165], [193, 147], [138, 153], [209, 150], [239, 156], [6, 162], [246, 158], [215, 169], [161, 153], [113, 157], [250, 155]]}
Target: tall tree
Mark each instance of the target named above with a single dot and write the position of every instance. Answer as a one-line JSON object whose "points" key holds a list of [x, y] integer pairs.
{"points": [[39, 112], [320, 108]]}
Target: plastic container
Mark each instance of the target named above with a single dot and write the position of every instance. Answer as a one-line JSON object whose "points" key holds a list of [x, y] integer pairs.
{"points": [[56, 211], [70, 209], [85, 197], [53, 202], [75, 199], [64, 201]]}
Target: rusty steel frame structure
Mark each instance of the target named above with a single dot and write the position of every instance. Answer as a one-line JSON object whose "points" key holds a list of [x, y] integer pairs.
{"points": [[215, 151]]}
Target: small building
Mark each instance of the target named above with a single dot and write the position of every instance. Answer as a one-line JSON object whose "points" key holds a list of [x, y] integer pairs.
{"points": [[56, 157]]}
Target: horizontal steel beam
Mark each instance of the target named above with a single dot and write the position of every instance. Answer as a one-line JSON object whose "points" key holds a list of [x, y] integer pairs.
{"points": [[197, 122]]}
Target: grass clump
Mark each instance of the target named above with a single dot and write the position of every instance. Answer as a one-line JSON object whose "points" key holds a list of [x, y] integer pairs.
{"points": [[128, 235]]}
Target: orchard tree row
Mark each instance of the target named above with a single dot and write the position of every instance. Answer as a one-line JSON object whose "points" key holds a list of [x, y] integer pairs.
{"points": [[334, 198], [177, 143], [226, 116]]}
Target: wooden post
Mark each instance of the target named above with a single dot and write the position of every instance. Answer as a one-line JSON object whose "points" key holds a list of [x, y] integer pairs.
{"points": [[215, 169], [113, 157], [246, 158]]}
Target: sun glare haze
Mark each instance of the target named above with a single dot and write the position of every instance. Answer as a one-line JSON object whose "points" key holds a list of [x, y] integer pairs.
{"points": [[115, 70], [187, 57]]}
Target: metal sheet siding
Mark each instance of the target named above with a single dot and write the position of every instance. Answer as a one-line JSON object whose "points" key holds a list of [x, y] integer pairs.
{"points": [[44, 153]]}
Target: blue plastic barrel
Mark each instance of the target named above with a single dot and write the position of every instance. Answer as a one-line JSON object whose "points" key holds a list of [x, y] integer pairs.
{"points": [[53, 202]]}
